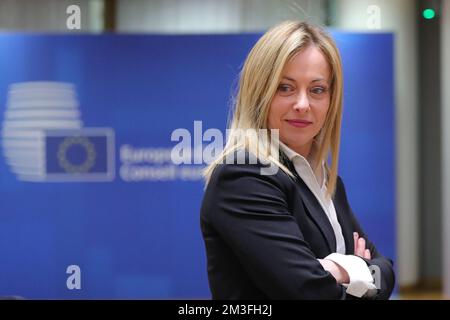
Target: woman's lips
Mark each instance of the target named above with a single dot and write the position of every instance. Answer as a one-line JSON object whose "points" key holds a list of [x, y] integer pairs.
{"points": [[299, 123]]}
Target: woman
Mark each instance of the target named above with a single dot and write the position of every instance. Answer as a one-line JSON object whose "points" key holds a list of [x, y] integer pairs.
{"points": [[289, 234]]}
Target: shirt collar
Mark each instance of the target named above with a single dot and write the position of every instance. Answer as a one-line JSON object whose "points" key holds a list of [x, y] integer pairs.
{"points": [[291, 154]]}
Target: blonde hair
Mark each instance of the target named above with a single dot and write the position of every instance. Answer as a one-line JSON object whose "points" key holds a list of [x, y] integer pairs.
{"points": [[259, 80]]}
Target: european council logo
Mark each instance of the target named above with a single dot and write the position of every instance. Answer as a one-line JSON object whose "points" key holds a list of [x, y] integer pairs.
{"points": [[43, 137]]}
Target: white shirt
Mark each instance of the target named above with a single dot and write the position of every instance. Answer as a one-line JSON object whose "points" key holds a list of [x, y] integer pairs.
{"points": [[317, 184], [361, 281]]}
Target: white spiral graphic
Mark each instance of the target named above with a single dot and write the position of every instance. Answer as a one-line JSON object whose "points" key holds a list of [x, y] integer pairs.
{"points": [[32, 108]]}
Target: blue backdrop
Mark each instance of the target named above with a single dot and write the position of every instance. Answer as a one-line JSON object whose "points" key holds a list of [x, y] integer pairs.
{"points": [[136, 234]]}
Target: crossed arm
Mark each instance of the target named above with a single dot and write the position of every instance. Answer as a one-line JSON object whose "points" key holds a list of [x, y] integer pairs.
{"points": [[338, 272], [250, 213]]}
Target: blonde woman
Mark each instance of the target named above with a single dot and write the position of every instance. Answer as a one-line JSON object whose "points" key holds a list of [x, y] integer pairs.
{"points": [[290, 233]]}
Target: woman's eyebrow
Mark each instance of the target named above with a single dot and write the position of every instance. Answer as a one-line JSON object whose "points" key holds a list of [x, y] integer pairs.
{"points": [[288, 78], [319, 79], [315, 80]]}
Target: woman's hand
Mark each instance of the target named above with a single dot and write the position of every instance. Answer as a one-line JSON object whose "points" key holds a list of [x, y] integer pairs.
{"points": [[360, 247], [336, 270]]}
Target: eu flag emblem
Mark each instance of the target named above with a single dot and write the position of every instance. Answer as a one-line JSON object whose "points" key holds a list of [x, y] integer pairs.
{"points": [[80, 154]]}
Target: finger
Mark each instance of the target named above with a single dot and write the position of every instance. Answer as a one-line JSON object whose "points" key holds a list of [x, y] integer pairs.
{"points": [[361, 247], [367, 254], [355, 241]]}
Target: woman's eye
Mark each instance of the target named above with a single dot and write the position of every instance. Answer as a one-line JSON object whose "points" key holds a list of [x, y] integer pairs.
{"points": [[284, 88], [318, 90]]}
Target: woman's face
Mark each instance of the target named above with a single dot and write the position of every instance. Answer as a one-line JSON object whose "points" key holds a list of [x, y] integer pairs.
{"points": [[300, 105]]}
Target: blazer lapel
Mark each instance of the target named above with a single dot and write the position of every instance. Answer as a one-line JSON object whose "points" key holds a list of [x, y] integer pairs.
{"points": [[314, 209], [346, 227]]}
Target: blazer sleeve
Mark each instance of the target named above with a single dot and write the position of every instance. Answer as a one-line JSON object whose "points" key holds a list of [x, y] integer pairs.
{"points": [[387, 276], [250, 212]]}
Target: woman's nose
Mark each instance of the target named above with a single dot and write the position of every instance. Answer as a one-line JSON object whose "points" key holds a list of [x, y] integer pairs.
{"points": [[302, 102]]}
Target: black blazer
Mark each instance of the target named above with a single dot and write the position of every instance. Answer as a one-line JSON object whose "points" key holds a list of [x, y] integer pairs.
{"points": [[264, 233]]}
